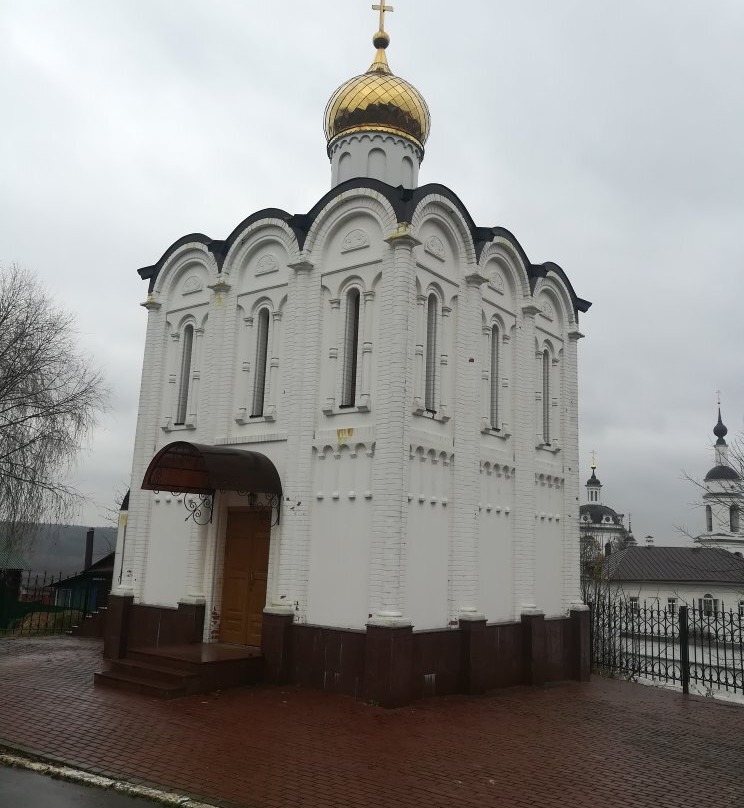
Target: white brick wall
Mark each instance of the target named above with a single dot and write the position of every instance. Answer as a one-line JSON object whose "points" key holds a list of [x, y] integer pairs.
{"points": [[422, 529]]}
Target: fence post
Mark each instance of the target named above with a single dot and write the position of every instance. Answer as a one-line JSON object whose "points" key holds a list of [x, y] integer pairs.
{"points": [[684, 648], [592, 615]]}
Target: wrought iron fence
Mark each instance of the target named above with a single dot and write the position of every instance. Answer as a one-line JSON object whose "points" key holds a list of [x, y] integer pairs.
{"points": [[688, 644], [39, 603]]}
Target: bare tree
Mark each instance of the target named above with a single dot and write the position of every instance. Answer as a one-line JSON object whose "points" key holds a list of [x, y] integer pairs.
{"points": [[51, 397]]}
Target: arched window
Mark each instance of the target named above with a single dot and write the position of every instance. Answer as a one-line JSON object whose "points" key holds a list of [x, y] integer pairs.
{"points": [[262, 349], [708, 604], [377, 164], [546, 397], [495, 415], [430, 389], [344, 167], [407, 172], [734, 518], [185, 377], [708, 519], [351, 350]]}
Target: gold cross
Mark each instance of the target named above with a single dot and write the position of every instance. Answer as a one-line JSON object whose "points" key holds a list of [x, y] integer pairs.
{"points": [[594, 459], [718, 396], [382, 8]]}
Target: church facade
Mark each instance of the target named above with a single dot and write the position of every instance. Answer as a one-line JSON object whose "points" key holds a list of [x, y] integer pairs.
{"points": [[357, 439], [722, 499]]}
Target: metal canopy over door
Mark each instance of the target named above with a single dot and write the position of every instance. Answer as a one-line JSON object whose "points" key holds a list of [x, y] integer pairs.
{"points": [[245, 575]]}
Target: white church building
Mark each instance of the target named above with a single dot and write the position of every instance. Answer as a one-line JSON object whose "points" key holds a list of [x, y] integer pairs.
{"points": [[723, 499], [356, 453]]}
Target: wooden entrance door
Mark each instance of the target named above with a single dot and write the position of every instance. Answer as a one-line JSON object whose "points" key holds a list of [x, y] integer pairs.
{"points": [[244, 580]]}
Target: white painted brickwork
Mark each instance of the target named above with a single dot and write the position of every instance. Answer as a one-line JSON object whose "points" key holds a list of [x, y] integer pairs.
{"points": [[389, 511]]}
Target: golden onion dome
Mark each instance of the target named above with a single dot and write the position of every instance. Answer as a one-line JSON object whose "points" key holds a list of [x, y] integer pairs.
{"points": [[378, 101]]}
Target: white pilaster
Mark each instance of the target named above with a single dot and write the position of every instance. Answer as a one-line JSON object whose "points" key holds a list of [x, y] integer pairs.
{"points": [[146, 438], [524, 558], [272, 393], [302, 341], [390, 466], [464, 573], [570, 449], [194, 592], [365, 382]]}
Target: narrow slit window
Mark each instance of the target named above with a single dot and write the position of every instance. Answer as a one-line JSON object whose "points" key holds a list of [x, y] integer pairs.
{"points": [[430, 392], [262, 348], [351, 350], [185, 376], [734, 518], [708, 519], [546, 397], [495, 421]]}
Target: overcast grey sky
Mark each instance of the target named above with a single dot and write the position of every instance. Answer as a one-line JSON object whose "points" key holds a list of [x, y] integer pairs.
{"points": [[607, 136]]}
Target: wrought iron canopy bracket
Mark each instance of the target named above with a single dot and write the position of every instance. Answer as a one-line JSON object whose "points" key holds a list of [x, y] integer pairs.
{"points": [[264, 501], [199, 506]]}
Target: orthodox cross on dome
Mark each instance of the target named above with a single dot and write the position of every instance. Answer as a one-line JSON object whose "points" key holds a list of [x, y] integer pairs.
{"points": [[718, 397], [594, 459], [382, 8]]}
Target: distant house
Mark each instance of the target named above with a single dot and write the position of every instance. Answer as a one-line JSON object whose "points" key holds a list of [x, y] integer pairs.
{"points": [[11, 559], [709, 578], [88, 591], [12, 566]]}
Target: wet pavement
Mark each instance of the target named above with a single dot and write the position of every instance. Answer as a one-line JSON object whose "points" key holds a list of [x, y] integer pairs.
{"points": [[20, 788], [607, 743]]}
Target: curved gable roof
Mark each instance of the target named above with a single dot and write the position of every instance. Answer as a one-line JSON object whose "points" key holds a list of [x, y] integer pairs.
{"points": [[403, 201], [151, 273]]}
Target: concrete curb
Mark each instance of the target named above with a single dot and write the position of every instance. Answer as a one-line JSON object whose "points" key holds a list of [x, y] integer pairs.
{"points": [[36, 763]]}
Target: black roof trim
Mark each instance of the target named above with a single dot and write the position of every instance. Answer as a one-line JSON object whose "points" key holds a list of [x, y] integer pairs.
{"points": [[151, 273], [534, 271], [397, 197], [403, 201], [266, 213], [581, 304]]}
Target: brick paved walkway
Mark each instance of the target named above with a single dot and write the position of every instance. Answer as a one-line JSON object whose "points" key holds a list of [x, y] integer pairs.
{"points": [[602, 744]]}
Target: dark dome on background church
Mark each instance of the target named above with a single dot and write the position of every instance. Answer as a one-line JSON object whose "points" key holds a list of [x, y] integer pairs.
{"points": [[721, 471], [598, 513]]}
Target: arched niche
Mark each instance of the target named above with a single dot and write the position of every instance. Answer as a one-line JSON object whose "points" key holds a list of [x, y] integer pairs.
{"points": [[263, 264]]}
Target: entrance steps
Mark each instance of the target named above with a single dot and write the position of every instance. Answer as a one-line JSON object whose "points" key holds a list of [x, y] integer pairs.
{"points": [[171, 671]]}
